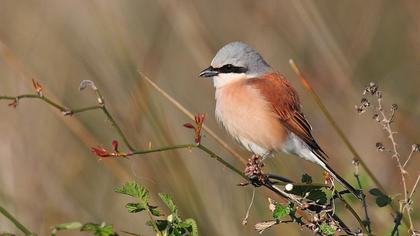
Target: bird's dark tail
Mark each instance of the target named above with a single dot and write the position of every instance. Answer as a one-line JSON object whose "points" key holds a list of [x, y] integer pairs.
{"points": [[355, 192]]}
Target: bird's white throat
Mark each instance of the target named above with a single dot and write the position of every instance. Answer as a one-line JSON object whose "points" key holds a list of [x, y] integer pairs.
{"points": [[225, 79]]}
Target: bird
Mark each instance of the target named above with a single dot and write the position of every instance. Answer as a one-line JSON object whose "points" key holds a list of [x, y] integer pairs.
{"points": [[260, 109]]}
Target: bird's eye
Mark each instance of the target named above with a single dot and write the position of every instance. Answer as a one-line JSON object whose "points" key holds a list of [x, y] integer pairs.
{"points": [[229, 68]]}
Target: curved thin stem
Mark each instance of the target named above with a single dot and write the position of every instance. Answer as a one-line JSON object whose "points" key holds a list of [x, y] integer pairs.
{"points": [[354, 213], [19, 225]]}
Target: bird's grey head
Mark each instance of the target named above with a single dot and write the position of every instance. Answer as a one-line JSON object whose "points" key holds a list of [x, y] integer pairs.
{"points": [[238, 58]]}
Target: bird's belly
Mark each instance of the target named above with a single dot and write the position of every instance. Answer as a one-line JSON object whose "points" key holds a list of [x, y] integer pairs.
{"points": [[248, 118]]}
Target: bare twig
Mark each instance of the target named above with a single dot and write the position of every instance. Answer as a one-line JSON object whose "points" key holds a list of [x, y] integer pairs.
{"points": [[386, 124], [385, 120], [245, 220], [354, 213], [409, 157], [367, 222], [415, 186], [67, 111]]}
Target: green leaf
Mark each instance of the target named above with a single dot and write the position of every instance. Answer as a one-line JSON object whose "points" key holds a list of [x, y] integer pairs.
{"points": [[281, 210], [99, 230], [168, 202], [134, 207], [154, 211], [383, 200], [327, 229], [161, 224], [318, 196], [307, 179], [64, 226], [376, 192], [303, 190], [6, 234], [193, 225], [68, 226], [135, 190]]}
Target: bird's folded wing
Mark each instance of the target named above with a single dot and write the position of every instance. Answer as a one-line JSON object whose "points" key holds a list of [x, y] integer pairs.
{"points": [[285, 102]]}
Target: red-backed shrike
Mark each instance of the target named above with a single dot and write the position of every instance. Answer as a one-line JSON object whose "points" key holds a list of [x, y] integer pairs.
{"points": [[260, 109]]}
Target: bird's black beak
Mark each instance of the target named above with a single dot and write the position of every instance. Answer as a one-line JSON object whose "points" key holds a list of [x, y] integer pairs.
{"points": [[209, 72]]}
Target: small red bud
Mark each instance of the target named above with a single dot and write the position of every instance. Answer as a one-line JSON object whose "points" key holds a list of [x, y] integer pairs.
{"points": [[189, 126], [37, 86], [100, 151], [115, 145]]}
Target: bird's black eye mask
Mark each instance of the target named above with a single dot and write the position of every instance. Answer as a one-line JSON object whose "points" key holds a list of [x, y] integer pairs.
{"points": [[229, 68]]}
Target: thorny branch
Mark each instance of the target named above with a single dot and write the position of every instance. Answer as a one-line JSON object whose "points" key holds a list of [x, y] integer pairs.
{"points": [[386, 120], [266, 180]]}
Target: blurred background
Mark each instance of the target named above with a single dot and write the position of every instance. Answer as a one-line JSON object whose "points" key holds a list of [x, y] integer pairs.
{"points": [[49, 176]]}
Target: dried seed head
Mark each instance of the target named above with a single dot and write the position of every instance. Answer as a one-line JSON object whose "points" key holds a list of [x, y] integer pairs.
{"points": [[355, 162], [365, 103], [87, 83], [380, 146], [376, 117], [359, 109], [394, 107], [415, 147], [371, 89]]}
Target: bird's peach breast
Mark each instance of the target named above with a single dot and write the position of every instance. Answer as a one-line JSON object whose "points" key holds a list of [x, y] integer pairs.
{"points": [[245, 114]]}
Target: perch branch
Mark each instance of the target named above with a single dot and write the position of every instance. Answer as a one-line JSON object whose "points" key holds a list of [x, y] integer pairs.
{"points": [[132, 151]]}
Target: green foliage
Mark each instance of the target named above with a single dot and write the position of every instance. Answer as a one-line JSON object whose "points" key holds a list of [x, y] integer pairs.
{"points": [[95, 229], [281, 210], [318, 196], [313, 193], [99, 230], [168, 202], [327, 229], [134, 207], [133, 189], [307, 179], [6, 234], [381, 198], [173, 225]]}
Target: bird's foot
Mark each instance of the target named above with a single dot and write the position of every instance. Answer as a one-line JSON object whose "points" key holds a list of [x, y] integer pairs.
{"points": [[253, 171]]}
